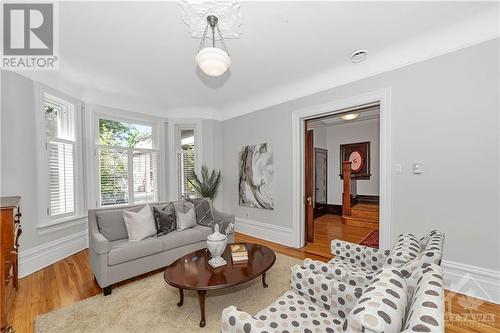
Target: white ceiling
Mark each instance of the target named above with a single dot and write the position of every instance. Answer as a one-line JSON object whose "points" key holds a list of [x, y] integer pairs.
{"points": [[140, 56]]}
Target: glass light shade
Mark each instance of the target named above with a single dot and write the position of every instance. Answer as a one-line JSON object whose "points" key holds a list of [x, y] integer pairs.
{"points": [[349, 116], [213, 61]]}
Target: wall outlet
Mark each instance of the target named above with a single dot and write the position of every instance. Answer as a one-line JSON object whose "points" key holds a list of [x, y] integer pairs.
{"points": [[247, 214]]}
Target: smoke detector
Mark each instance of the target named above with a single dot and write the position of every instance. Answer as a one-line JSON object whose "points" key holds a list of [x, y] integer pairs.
{"points": [[359, 56]]}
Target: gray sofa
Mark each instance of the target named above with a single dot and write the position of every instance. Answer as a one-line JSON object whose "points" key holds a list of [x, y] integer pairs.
{"points": [[113, 258]]}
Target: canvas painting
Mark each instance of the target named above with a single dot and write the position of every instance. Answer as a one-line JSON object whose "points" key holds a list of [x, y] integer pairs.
{"points": [[256, 176]]}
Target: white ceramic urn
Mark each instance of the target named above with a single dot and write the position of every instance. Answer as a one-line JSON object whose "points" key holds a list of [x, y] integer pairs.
{"points": [[216, 244]]}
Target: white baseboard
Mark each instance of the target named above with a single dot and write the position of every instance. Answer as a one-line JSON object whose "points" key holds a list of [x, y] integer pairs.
{"points": [[471, 280], [44, 255], [269, 232]]}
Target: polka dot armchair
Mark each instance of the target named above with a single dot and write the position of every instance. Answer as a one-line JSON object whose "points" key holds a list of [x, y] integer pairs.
{"points": [[385, 305], [356, 265]]}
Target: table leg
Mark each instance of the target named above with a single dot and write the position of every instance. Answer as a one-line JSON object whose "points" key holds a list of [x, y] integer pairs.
{"points": [[181, 297], [264, 284], [201, 299]]}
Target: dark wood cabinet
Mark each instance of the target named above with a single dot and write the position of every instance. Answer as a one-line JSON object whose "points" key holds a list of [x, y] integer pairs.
{"points": [[10, 230]]}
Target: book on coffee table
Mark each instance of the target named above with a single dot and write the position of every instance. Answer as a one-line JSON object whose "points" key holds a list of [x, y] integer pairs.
{"points": [[239, 252]]}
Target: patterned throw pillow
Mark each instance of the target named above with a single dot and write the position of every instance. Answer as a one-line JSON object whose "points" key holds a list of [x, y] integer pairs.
{"points": [[165, 219], [426, 312], [423, 241], [406, 248], [203, 211], [382, 306]]}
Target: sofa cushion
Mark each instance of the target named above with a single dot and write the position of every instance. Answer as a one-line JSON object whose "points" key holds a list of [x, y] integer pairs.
{"points": [[111, 224], [165, 219], [405, 249], [291, 312], [205, 231], [203, 210], [180, 238], [382, 306], [122, 250]]}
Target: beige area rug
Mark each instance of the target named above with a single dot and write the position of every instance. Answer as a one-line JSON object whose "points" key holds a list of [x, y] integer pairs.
{"points": [[149, 305]]}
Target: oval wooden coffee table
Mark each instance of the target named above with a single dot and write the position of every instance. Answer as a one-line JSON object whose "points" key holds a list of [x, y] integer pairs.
{"points": [[192, 272]]}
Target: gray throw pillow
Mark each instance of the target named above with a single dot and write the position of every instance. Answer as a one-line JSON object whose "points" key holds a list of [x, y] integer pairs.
{"points": [[182, 206], [185, 220], [203, 211], [165, 219]]}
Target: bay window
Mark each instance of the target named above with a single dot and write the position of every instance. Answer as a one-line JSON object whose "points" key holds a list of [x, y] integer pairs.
{"points": [[186, 162], [127, 163], [62, 154]]}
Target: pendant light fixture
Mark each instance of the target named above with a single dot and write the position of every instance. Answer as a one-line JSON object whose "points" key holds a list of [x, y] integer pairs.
{"points": [[213, 60]]}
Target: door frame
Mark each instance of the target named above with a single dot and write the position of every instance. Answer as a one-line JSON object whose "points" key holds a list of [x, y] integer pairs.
{"points": [[309, 180], [383, 97]]}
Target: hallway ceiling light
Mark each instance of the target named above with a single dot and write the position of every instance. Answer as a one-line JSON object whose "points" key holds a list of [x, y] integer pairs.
{"points": [[212, 60], [349, 116]]}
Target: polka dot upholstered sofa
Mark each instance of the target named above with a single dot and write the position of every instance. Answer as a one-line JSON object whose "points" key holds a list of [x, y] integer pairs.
{"points": [[356, 265], [318, 303]]}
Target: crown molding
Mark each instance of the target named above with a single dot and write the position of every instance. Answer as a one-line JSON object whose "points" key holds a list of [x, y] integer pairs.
{"points": [[476, 30]]}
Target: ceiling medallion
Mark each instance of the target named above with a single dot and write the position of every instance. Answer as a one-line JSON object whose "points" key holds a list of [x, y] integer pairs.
{"points": [[195, 13]]}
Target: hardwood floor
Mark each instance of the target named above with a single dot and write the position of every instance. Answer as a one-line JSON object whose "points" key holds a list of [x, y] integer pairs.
{"points": [[70, 280], [329, 227]]}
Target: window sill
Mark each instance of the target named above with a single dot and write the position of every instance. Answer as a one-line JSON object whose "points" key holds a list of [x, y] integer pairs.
{"points": [[61, 223]]}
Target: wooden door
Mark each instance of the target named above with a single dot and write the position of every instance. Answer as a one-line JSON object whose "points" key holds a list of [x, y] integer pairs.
{"points": [[309, 176], [320, 180]]}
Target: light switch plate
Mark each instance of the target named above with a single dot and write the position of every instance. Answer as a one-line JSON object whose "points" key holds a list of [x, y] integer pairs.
{"points": [[417, 168], [397, 168]]}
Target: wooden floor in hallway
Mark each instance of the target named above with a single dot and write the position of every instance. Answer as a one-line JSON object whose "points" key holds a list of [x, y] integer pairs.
{"points": [[329, 227], [70, 280]]}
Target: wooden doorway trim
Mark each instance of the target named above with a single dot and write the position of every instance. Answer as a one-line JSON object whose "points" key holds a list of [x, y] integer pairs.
{"points": [[383, 99], [308, 185]]}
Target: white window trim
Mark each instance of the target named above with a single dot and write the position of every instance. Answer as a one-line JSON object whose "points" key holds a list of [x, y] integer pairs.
{"points": [[174, 129], [96, 112], [42, 160]]}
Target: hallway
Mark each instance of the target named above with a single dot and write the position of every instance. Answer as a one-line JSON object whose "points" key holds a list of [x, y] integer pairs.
{"points": [[329, 227]]}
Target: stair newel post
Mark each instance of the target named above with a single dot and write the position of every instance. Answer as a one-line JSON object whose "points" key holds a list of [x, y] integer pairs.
{"points": [[346, 194]]}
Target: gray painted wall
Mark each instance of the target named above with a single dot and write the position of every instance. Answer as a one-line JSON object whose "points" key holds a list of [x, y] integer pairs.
{"points": [[212, 151], [445, 114], [19, 160], [319, 137]]}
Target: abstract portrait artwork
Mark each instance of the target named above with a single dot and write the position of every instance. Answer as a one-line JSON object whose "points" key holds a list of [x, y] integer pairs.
{"points": [[256, 176]]}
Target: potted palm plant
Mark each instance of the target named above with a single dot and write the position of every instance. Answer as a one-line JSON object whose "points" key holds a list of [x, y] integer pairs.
{"points": [[207, 185]]}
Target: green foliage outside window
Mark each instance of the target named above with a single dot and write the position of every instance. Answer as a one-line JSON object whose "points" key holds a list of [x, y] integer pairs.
{"points": [[114, 164]]}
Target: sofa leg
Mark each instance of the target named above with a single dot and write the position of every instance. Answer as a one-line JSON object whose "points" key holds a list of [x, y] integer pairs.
{"points": [[106, 291]]}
